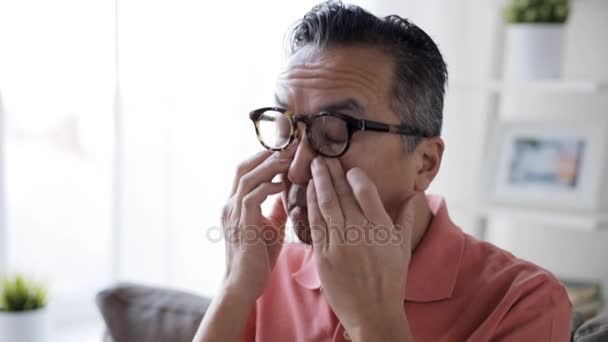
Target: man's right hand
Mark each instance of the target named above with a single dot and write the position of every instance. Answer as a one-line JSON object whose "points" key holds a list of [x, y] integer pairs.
{"points": [[253, 242]]}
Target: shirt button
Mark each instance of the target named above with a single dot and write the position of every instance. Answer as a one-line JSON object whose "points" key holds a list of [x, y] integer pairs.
{"points": [[346, 336]]}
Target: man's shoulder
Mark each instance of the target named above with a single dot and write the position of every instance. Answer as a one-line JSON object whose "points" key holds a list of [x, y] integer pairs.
{"points": [[486, 266], [520, 300]]}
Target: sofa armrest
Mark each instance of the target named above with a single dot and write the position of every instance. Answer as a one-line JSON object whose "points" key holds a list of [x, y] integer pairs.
{"points": [[142, 313], [593, 330]]}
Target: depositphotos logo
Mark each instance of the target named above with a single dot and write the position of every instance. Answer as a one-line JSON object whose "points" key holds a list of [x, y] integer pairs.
{"points": [[349, 235]]}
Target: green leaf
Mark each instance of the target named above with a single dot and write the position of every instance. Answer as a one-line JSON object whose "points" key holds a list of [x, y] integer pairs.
{"points": [[21, 294], [537, 11]]}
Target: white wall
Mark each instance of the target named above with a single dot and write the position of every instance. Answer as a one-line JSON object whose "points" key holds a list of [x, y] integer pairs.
{"points": [[3, 228]]}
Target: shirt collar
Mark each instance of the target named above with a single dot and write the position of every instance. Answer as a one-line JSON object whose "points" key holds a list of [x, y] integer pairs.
{"points": [[434, 265]]}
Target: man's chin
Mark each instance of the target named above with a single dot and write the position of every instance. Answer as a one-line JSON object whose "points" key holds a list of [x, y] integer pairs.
{"points": [[299, 218]]}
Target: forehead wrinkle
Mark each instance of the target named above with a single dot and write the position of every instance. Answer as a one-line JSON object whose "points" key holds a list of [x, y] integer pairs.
{"points": [[324, 82], [334, 85], [330, 74], [331, 91], [332, 69]]}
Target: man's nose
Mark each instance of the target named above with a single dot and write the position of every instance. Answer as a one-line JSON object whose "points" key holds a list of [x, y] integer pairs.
{"points": [[299, 170]]}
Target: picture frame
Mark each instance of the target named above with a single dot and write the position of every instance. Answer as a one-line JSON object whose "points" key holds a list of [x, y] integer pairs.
{"points": [[547, 164]]}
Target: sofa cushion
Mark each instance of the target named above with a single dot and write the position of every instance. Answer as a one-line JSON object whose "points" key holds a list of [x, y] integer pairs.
{"points": [[593, 330], [152, 314], [141, 313]]}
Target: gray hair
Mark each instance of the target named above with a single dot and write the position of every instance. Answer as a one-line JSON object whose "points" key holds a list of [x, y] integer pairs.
{"points": [[420, 71]]}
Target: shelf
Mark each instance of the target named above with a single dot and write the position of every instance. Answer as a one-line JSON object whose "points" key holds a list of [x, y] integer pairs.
{"points": [[548, 86], [591, 222]]}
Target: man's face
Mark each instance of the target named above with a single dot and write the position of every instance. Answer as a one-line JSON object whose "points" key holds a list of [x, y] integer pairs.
{"points": [[315, 80]]}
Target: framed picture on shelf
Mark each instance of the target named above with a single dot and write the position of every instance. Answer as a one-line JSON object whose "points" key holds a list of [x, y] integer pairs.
{"points": [[547, 164]]}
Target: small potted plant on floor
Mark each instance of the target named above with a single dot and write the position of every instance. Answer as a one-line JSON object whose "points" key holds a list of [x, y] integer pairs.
{"points": [[535, 38], [23, 310]]}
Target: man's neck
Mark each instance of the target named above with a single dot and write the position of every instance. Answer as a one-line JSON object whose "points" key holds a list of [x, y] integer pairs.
{"points": [[424, 217]]}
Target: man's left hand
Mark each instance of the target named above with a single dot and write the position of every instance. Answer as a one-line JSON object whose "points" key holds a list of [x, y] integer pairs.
{"points": [[362, 256]]}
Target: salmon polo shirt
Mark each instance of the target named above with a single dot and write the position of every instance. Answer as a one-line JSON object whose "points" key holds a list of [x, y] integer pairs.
{"points": [[458, 289]]}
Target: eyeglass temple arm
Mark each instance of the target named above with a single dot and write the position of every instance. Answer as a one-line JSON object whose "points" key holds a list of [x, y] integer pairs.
{"points": [[366, 125]]}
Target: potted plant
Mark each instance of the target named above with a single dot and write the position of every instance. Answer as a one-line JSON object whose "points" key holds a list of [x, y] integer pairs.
{"points": [[535, 38], [23, 310]]}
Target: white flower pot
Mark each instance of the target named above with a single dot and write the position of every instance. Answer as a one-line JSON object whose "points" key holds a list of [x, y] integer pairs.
{"points": [[26, 326], [534, 51]]}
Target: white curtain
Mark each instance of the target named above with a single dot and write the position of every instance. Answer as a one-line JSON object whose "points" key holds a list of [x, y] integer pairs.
{"points": [[56, 81]]}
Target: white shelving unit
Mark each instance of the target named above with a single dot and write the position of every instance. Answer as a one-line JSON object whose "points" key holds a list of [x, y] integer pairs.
{"points": [[3, 228], [584, 222], [587, 222], [483, 212], [495, 87]]}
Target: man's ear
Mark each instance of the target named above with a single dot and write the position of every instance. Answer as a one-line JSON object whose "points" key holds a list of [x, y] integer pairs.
{"points": [[429, 153]]}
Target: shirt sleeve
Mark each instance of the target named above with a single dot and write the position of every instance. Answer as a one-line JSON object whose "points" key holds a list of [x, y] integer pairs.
{"points": [[541, 315]]}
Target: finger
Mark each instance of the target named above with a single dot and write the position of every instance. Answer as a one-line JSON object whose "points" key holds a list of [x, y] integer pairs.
{"points": [[251, 203], [262, 173], [367, 196], [405, 224], [327, 201], [318, 229], [347, 200], [248, 165]]}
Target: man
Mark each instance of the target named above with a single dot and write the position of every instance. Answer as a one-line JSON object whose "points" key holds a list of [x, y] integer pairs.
{"points": [[356, 140]]}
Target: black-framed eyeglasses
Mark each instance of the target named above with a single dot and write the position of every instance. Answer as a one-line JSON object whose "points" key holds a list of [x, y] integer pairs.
{"points": [[328, 133]]}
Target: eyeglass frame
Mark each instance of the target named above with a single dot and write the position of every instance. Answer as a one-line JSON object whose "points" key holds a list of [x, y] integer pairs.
{"points": [[352, 125]]}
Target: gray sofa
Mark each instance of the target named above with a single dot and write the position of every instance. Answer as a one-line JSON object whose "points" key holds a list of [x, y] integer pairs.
{"points": [[135, 313]]}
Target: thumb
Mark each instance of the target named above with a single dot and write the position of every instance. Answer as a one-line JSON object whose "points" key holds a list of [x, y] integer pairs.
{"points": [[405, 223]]}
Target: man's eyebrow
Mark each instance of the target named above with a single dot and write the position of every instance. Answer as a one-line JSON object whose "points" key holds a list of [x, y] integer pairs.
{"points": [[350, 105]]}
